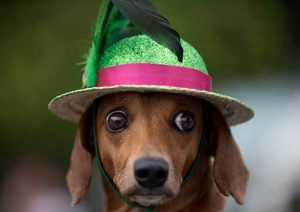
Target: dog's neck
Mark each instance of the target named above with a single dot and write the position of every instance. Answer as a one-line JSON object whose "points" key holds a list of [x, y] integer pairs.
{"points": [[199, 193]]}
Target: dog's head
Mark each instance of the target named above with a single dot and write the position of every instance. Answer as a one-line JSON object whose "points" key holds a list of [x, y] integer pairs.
{"points": [[149, 141]]}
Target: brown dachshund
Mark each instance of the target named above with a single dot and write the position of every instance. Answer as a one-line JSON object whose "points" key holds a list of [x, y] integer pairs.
{"points": [[147, 144]]}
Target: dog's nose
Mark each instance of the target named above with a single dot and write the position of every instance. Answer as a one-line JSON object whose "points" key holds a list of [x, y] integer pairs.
{"points": [[151, 172]]}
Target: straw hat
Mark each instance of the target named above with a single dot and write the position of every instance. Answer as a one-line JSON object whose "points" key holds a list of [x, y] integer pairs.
{"points": [[141, 63]]}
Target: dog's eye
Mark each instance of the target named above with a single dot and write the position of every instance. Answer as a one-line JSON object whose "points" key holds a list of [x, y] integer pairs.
{"points": [[183, 121], [117, 121]]}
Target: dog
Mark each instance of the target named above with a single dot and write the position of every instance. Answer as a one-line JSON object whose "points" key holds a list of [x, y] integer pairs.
{"points": [[147, 144]]}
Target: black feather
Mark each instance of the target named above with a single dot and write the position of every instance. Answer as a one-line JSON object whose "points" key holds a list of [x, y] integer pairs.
{"points": [[145, 17]]}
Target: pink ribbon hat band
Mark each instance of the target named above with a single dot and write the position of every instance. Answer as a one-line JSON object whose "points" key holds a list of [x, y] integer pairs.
{"points": [[154, 74]]}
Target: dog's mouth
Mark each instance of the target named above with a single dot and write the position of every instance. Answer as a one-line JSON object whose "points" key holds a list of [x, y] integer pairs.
{"points": [[148, 197]]}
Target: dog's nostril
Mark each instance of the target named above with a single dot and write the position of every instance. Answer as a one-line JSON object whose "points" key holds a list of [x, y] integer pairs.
{"points": [[143, 173], [161, 174], [151, 172]]}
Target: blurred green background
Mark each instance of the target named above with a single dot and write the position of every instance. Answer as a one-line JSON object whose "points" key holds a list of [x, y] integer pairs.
{"points": [[41, 43]]}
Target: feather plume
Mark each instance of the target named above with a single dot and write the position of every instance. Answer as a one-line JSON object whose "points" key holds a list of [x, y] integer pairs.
{"points": [[90, 69], [124, 18], [145, 17], [118, 28]]}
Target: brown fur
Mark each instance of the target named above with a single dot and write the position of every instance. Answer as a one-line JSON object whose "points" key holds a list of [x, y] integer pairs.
{"points": [[221, 171]]}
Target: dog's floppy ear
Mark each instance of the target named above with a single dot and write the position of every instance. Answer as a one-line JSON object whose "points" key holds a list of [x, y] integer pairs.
{"points": [[229, 170], [80, 171]]}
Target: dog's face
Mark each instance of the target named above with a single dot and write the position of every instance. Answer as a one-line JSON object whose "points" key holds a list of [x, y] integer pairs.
{"points": [[147, 144]]}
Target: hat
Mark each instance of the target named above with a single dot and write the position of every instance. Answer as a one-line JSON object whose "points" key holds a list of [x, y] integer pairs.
{"points": [[143, 62]]}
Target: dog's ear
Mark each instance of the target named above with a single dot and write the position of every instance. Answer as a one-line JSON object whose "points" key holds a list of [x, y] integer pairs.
{"points": [[229, 170], [80, 171]]}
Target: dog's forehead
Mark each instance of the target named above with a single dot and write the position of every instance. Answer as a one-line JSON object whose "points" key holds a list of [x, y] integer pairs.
{"points": [[150, 98]]}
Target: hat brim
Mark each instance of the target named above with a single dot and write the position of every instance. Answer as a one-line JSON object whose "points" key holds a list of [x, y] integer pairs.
{"points": [[70, 106]]}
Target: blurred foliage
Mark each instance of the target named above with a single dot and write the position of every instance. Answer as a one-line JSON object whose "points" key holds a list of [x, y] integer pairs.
{"points": [[42, 41]]}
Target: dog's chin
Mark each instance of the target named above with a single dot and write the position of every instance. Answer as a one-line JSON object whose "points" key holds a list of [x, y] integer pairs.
{"points": [[148, 197]]}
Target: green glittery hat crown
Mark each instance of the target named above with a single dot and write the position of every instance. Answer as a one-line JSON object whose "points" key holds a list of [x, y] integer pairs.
{"points": [[142, 49], [127, 56]]}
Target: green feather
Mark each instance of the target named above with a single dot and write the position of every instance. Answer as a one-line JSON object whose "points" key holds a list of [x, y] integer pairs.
{"points": [[149, 21], [90, 69], [119, 27], [119, 19]]}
